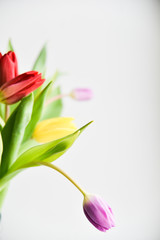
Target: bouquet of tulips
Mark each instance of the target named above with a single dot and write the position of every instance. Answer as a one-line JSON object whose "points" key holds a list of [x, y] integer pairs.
{"points": [[33, 134]]}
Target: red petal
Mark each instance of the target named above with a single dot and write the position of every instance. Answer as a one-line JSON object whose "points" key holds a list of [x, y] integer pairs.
{"points": [[24, 80], [13, 57], [8, 67], [24, 92]]}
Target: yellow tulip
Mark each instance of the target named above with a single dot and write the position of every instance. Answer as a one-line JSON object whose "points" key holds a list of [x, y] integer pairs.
{"points": [[54, 128]]}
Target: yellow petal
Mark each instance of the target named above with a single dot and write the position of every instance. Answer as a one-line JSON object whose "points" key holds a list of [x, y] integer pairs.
{"points": [[54, 128]]}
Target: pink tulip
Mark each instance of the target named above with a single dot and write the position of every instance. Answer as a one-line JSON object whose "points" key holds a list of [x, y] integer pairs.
{"points": [[98, 212], [81, 94]]}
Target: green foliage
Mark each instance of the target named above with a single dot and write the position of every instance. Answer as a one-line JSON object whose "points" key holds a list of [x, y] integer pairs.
{"points": [[2, 111], [40, 63], [13, 132], [54, 78], [2, 123], [17, 150], [36, 113], [12, 107], [40, 66], [10, 46], [54, 108], [26, 145], [1, 147], [3, 194], [47, 152], [1, 143]]}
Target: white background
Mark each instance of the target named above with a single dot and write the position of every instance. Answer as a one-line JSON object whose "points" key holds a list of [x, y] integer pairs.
{"points": [[114, 48]]}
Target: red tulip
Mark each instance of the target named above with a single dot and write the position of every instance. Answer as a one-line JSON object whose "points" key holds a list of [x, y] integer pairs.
{"points": [[14, 87], [14, 90], [8, 67]]}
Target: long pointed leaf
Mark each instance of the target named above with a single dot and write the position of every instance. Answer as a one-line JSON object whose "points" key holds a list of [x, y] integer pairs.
{"points": [[1, 147], [13, 132], [10, 46], [45, 152], [2, 110], [48, 151], [53, 109], [40, 62], [36, 113]]}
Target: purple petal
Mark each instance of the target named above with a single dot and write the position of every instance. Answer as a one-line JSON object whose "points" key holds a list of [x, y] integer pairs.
{"points": [[98, 213]]}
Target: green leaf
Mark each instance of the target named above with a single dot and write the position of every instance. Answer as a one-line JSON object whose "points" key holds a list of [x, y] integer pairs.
{"points": [[2, 111], [46, 152], [54, 78], [1, 147], [36, 113], [1, 143], [54, 108], [40, 66], [3, 194], [10, 46], [26, 145], [4, 181], [13, 132], [2, 123], [13, 106], [40, 62]]}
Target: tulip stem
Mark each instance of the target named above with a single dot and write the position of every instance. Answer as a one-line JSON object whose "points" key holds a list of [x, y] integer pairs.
{"points": [[63, 173], [55, 98], [6, 112]]}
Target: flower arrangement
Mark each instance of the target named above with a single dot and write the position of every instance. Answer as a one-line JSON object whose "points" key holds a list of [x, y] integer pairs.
{"points": [[33, 134]]}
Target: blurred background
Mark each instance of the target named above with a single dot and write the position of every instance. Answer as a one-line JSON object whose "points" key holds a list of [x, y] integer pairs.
{"points": [[112, 47]]}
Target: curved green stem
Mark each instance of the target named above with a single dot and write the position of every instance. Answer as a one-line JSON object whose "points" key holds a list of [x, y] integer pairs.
{"points": [[63, 173]]}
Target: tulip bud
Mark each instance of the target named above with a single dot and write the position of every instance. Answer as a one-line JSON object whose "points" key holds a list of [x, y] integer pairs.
{"points": [[54, 128], [98, 212], [81, 94], [8, 67], [20, 86]]}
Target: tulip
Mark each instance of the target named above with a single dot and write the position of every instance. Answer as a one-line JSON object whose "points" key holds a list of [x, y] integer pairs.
{"points": [[15, 89], [8, 67], [54, 128], [98, 212], [81, 94]]}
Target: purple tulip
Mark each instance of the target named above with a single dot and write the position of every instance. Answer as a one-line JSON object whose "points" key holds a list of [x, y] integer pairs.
{"points": [[98, 212], [81, 94]]}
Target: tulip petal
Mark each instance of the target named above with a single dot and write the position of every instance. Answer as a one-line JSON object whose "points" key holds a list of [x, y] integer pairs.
{"points": [[81, 94], [8, 67], [22, 78], [52, 129], [98, 212], [19, 87], [95, 224]]}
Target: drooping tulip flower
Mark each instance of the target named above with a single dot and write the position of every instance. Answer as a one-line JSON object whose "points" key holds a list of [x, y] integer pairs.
{"points": [[98, 212], [54, 128], [8, 67], [81, 94], [15, 89]]}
